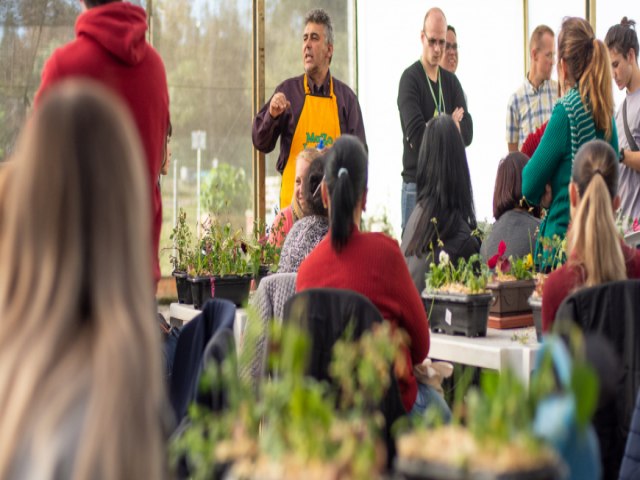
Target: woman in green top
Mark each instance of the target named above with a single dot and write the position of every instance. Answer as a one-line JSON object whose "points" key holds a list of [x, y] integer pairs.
{"points": [[584, 113]]}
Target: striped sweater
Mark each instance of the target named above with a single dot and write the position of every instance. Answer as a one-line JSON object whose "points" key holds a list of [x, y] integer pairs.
{"points": [[570, 126]]}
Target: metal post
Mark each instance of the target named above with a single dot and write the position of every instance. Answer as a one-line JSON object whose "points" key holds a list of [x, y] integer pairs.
{"points": [[525, 20], [258, 161], [198, 192], [175, 196]]}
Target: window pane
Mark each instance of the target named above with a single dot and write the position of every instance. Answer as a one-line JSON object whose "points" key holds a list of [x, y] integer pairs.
{"points": [[28, 35], [206, 47]]}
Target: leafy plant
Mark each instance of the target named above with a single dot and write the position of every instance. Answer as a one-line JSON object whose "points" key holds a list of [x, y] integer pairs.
{"points": [[302, 424], [554, 252], [512, 268], [468, 276], [183, 243]]}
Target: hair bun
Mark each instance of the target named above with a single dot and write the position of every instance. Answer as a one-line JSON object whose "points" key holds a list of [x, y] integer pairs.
{"points": [[625, 22]]}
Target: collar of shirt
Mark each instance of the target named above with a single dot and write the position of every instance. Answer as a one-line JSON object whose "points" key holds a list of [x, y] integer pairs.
{"points": [[322, 90], [531, 89]]}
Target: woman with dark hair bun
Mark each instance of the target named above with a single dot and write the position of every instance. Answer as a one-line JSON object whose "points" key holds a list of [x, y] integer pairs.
{"points": [[370, 264], [444, 217], [515, 225], [307, 232]]}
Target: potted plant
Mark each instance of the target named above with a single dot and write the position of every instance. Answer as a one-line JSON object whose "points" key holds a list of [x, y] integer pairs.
{"points": [[183, 251], [559, 247], [504, 430], [456, 297], [306, 429], [264, 256], [511, 285]]}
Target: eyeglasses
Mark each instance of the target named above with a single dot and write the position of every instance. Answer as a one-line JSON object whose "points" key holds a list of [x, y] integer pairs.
{"points": [[434, 41], [451, 46]]}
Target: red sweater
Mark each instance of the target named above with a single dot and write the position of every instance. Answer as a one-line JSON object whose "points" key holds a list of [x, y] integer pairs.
{"points": [[372, 264], [565, 280], [110, 47]]}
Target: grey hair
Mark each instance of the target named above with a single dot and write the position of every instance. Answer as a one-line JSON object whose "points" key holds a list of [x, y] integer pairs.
{"points": [[319, 16]]}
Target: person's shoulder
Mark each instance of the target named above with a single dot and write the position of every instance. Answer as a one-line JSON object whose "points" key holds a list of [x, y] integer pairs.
{"points": [[292, 82], [413, 70]]}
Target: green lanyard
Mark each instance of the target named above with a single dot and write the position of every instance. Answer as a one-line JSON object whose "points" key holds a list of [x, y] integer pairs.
{"points": [[440, 108]]}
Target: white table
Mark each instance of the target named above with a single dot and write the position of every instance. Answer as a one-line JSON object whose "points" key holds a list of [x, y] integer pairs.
{"points": [[181, 313], [515, 348]]}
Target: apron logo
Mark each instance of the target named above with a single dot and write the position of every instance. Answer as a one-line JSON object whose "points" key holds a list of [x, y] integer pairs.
{"points": [[313, 139]]}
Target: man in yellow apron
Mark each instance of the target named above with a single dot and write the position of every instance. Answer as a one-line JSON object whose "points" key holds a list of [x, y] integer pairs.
{"points": [[308, 111]]}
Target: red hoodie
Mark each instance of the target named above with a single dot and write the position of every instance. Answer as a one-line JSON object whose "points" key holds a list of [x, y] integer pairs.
{"points": [[110, 47]]}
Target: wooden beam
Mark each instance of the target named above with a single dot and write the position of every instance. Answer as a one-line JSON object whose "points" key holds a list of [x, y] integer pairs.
{"points": [[525, 27], [258, 85], [590, 12]]}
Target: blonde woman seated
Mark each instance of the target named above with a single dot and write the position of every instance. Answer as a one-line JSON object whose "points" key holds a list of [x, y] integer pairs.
{"points": [[81, 387], [309, 230], [285, 219], [596, 253]]}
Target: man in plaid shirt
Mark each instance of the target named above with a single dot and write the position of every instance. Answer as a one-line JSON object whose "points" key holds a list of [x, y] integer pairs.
{"points": [[531, 105]]}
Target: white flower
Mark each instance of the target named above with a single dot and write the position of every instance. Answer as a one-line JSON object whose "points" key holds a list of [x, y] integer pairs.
{"points": [[443, 259]]}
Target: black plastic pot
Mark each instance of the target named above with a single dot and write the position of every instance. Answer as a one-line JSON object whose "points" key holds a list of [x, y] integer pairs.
{"points": [[511, 297], [419, 470], [183, 287], [536, 307], [201, 290], [234, 288], [458, 314]]}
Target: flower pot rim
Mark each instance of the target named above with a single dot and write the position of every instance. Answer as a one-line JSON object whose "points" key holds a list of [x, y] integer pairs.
{"points": [[535, 301], [495, 284], [426, 469], [457, 297]]}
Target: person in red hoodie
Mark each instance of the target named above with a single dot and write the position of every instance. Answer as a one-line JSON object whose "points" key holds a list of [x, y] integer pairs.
{"points": [[370, 264], [110, 47]]}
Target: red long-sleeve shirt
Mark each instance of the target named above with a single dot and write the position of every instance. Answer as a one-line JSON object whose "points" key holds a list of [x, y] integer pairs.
{"points": [[372, 265], [562, 282]]}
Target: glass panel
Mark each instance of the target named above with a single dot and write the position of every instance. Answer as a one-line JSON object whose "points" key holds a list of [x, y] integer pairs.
{"points": [[489, 70], [28, 35], [206, 47]]}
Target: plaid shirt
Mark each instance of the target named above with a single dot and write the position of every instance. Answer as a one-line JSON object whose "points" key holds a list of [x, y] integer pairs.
{"points": [[529, 108]]}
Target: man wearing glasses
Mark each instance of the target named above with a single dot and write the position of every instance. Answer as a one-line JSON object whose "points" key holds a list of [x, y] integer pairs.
{"points": [[450, 58], [426, 91], [531, 105]]}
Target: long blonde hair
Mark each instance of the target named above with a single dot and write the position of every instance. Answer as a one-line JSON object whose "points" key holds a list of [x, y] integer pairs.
{"points": [[593, 240], [587, 60], [78, 337]]}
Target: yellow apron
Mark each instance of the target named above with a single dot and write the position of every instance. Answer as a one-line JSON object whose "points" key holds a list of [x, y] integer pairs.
{"points": [[318, 120]]}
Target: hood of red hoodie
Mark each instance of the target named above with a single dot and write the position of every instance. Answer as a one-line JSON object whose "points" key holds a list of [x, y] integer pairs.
{"points": [[119, 27]]}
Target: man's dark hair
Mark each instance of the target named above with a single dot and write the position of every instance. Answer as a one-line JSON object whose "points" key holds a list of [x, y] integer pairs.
{"points": [[321, 17], [450, 28], [97, 3], [622, 38]]}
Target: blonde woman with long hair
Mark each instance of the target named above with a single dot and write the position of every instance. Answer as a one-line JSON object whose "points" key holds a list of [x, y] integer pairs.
{"points": [[81, 390], [584, 113], [596, 251]]}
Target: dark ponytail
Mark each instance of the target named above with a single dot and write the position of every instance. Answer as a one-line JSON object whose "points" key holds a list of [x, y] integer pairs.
{"points": [[346, 179], [623, 37]]}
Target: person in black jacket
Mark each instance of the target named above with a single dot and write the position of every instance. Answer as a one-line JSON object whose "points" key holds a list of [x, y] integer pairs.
{"points": [[426, 91]]}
